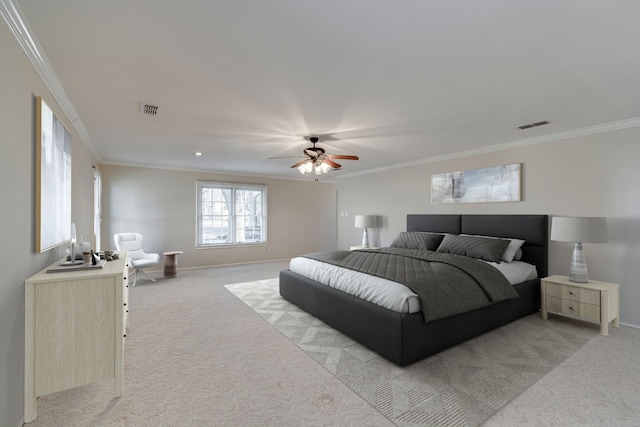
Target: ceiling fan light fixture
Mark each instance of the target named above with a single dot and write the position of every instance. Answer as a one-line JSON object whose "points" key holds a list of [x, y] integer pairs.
{"points": [[306, 167], [316, 160], [318, 167], [321, 168]]}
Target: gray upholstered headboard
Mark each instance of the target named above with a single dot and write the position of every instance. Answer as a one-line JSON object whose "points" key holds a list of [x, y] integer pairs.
{"points": [[533, 229]]}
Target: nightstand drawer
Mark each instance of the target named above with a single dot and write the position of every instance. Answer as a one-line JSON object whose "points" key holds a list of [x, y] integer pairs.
{"points": [[574, 293], [575, 309]]}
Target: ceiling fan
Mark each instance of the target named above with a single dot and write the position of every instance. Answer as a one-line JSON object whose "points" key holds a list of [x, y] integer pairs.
{"points": [[316, 159]]}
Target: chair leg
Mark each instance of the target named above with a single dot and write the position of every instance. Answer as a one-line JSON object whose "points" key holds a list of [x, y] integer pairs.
{"points": [[142, 273]]}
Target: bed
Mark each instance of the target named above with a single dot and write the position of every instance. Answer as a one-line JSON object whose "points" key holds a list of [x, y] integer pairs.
{"points": [[405, 338]]}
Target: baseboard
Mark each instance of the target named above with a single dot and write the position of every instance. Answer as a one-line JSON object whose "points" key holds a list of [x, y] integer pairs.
{"points": [[232, 264], [630, 325]]}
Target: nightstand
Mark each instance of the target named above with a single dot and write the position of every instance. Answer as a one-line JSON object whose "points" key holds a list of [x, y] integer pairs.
{"points": [[353, 248], [597, 302]]}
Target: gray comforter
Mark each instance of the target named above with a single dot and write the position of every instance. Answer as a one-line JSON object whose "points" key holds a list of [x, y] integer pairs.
{"points": [[446, 284]]}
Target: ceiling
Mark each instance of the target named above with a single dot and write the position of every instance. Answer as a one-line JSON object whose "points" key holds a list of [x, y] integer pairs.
{"points": [[394, 82]]}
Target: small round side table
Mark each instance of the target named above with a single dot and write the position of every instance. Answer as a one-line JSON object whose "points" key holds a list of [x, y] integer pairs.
{"points": [[171, 263]]}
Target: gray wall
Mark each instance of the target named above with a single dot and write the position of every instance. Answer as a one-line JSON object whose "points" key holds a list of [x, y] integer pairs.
{"points": [[161, 204], [596, 175], [19, 85]]}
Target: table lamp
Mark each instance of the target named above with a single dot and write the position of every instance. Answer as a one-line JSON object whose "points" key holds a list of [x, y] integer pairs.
{"points": [[579, 230], [365, 221]]}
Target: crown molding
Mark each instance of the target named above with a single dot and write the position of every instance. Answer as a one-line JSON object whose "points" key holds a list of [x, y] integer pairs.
{"points": [[304, 178], [14, 17], [558, 136]]}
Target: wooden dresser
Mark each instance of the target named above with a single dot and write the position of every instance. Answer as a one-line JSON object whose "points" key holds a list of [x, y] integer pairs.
{"points": [[75, 326]]}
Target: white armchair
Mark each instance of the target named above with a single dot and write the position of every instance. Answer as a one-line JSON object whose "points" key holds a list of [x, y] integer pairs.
{"points": [[138, 259]]}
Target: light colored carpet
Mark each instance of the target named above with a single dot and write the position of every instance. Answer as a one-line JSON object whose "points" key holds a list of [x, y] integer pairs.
{"points": [[599, 385], [195, 355], [461, 386]]}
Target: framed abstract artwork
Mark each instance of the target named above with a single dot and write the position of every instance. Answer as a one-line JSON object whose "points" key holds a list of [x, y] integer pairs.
{"points": [[484, 185], [53, 179]]}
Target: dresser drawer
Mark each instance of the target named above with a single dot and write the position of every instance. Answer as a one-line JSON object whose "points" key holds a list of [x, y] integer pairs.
{"points": [[574, 293], [575, 309]]}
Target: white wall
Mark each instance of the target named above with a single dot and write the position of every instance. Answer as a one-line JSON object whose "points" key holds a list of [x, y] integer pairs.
{"points": [[19, 85], [161, 204], [596, 175]]}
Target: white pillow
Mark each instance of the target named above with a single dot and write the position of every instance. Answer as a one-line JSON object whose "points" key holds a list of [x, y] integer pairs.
{"points": [[512, 249], [516, 271]]}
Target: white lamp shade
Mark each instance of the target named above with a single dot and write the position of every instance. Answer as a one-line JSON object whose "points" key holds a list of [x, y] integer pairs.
{"points": [[365, 221], [579, 229]]}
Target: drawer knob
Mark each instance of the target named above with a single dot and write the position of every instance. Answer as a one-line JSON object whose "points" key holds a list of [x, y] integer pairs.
{"points": [[570, 293], [570, 308], [125, 304]]}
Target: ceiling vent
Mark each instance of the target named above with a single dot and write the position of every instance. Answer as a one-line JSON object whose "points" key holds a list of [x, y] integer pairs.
{"points": [[531, 125], [148, 109]]}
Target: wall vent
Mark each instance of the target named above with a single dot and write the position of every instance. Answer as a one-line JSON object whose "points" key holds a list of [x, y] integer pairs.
{"points": [[530, 125], [148, 109]]}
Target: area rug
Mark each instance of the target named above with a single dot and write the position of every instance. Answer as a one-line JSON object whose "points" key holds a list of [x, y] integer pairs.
{"points": [[462, 386]]}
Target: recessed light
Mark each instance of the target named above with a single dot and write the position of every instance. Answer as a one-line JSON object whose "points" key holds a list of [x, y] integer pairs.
{"points": [[198, 153]]}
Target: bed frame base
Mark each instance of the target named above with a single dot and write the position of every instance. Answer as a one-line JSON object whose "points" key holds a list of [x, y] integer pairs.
{"points": [[400, 337], [406, 338]]}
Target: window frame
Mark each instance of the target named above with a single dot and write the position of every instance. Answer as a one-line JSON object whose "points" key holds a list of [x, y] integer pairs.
{"points": [[234, 187]]}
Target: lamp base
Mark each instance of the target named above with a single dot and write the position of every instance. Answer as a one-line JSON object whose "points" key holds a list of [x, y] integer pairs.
{"points": [[365, 238], [578, 270]]}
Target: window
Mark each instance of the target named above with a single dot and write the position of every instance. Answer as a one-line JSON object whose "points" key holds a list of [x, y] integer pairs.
{"points": [[231, 214]]}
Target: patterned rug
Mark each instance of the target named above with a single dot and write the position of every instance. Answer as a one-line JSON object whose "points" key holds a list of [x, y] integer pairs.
{"points": [[462, 386]]}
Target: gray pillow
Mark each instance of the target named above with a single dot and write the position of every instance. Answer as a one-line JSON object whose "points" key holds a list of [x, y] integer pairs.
{"points": [[518, 256], [485, 248], [511, 251], [417, 240]]}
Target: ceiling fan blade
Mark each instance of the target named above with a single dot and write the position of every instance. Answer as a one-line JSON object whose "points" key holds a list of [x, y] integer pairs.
{"points": [[299, 163], [332, 164], [342, 156], [286, 157]]}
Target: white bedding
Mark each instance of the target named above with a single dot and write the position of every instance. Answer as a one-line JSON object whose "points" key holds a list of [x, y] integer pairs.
{"points": [[516, 271], [386, 293]]}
